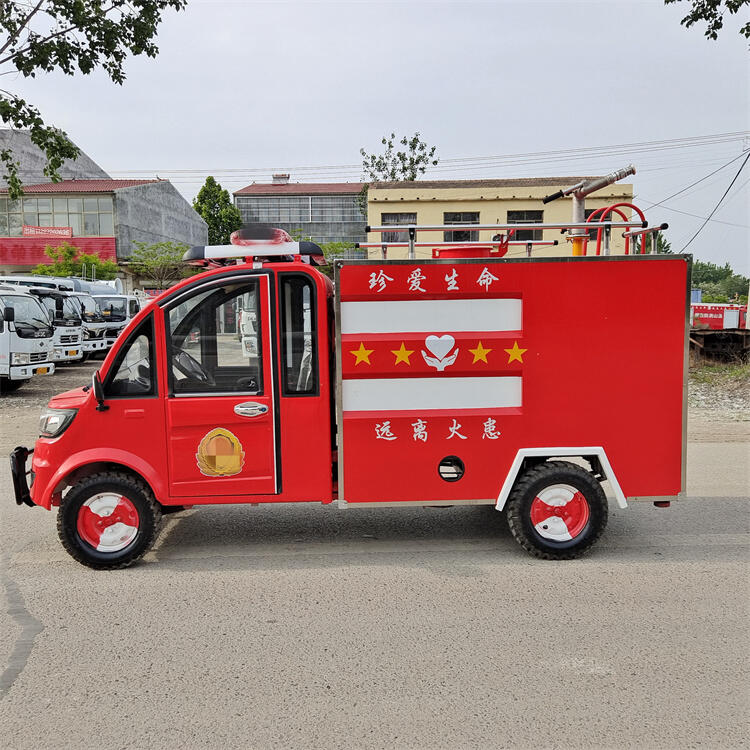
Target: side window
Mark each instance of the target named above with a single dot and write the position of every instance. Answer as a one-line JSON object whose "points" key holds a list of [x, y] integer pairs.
{"points": [[299, 356], [134, 370], [214, 341], [134, 308]]}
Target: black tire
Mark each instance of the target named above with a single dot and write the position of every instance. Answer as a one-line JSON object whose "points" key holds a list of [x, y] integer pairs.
{"points": [[547, 478], [8, 386], [139, 497], [83, 358]]}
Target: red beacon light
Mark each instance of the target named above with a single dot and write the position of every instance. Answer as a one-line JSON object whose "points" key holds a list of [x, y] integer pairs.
{"points": [[256, 243]]}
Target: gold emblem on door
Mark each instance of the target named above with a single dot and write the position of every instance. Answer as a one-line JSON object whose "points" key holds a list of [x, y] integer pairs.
{"points": [[220, 454]]}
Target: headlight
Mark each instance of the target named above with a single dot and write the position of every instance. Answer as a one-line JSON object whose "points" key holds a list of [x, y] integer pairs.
{"points": [[19, 358], [54, 422]]}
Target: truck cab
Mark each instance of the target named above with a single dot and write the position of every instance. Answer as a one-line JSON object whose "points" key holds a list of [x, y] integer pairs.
{"points": [[94, 324], [117, 310], [26, 338], [67, 323]]}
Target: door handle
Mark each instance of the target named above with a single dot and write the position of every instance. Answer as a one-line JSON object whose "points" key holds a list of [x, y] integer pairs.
{"points": [[250, 409]]}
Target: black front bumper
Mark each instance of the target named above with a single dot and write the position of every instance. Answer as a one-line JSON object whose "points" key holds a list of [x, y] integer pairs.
{"points": [[19, 473]]}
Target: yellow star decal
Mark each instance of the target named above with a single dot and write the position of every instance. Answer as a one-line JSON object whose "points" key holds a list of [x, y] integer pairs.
{"points": [[515, 353], [402, 354], [480, 353], [362, 354]]}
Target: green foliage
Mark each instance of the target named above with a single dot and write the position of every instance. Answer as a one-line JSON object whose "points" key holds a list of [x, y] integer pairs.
{"points": [[719, 283], [214, 204], [712, 12], [662, 246], [68, 260], [362, 197], [71, 36], [161, 262], [397, 165]]}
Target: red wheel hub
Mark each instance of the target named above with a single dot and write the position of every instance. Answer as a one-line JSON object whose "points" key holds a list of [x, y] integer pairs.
{"points": [[559, 512], [108, 522]]}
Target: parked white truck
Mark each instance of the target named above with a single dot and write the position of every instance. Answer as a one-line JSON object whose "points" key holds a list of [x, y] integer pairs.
{"points": [[94, 325], [65, 315], [118, 310], [26, 338]]}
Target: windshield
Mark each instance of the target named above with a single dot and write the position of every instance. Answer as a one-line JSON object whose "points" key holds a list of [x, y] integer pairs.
{"points": [[28, 312], [112, 307], [90, 309], [69, 311]]}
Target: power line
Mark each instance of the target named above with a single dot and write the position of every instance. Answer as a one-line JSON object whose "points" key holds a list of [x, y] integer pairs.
{"points": [[697, 216], [472, 163], [697, 182], [734, 179]]}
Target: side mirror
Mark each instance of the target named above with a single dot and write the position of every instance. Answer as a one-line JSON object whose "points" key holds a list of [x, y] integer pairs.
{"points": [[9, 314], [96, 385]]}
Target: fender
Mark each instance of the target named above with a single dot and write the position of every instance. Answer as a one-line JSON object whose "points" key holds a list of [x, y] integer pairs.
{"points": [[523, 453], [104, 455]]}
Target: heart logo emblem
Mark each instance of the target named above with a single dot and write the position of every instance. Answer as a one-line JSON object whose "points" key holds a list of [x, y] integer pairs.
{"points": [[440, 346]]}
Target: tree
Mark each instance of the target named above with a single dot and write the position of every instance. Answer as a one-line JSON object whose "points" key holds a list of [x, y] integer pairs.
{"points": [[68, 260], [399, 165], [662, 245], [215, 206], [395, 167], [719, 283], [40, 36], [160, 262], [712, 12]]}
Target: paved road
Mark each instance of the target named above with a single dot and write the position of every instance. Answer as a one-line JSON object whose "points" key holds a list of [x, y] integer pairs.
{"points": [[305, 626]]}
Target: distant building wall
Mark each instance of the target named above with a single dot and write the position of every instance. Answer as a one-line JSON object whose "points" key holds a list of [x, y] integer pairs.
{"points": [[323, 212], [484, 203], [152, 213], [32, 161]]}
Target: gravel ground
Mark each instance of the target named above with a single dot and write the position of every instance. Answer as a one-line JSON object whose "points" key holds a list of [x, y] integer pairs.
{"points": [[719, 403]]}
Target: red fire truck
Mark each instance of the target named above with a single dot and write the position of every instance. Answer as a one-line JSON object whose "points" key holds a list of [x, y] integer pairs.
{"points": [[718, 316], [522, 383]]}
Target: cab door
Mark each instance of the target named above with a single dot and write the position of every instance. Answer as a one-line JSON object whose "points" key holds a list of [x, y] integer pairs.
{"points": [[221, 407]]}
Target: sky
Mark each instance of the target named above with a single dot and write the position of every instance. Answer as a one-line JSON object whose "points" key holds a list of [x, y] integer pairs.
{"points": [[243, 89]]}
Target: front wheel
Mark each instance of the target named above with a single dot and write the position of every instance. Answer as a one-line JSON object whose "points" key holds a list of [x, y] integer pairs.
{"points": [[557, 510], [108, 520]]}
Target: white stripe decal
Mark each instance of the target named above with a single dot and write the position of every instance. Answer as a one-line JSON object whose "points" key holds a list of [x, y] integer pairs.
{"points": [[418, 316], [404, 394]]}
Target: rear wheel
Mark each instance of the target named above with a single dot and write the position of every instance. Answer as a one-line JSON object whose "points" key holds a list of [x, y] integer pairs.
{"points": [[557, 510], [8, 386], [108, 520]]}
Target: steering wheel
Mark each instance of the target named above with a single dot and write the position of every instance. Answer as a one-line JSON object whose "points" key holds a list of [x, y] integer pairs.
{"points": [[191, 368]]}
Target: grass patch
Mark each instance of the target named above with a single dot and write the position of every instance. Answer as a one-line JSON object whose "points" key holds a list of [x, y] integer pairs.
{"points": [[721, 374]]}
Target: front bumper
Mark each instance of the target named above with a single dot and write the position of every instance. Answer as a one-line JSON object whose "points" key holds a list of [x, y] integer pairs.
{"points": [[18, 471], [24, 372], [94, 345], [67, 353]]}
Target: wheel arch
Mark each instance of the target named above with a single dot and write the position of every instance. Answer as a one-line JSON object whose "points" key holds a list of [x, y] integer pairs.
{"points": [[595, 455], [88, 463]]}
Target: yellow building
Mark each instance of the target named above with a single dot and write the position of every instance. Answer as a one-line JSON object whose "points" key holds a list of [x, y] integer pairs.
{"points": [[485, 202]]}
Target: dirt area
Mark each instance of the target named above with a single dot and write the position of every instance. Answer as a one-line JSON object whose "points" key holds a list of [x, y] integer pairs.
{"points": [[719, 403]]}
